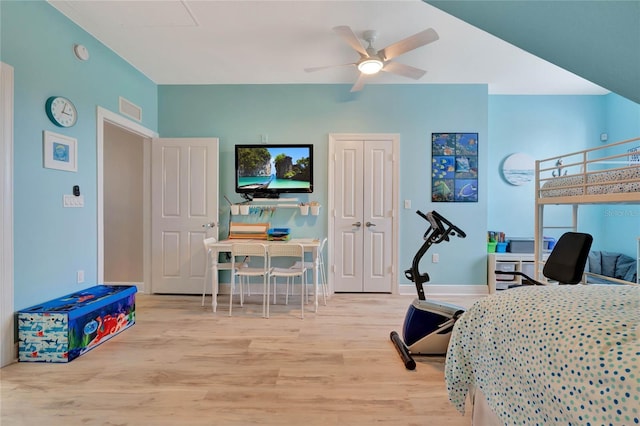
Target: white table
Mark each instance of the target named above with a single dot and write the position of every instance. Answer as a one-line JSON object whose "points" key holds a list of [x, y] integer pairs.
{"points": [[310, 245]]}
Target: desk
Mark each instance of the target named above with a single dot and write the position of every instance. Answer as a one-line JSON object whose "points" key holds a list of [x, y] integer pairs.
{"points": [[224, 246]]}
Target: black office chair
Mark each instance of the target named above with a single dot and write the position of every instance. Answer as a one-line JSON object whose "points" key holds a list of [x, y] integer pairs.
{"points": [[566, 262]]}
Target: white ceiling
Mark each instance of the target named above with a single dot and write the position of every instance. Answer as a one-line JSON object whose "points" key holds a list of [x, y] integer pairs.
{"points": [[271, 42]]}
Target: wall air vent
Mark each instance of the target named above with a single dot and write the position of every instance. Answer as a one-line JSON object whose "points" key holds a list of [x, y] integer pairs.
{"points": [[130, 109]]}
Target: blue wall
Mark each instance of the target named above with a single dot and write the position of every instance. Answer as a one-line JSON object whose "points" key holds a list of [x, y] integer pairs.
{"points": [[546, 126], [52, 242], [621, 223], [309, 113], [542, 127]]}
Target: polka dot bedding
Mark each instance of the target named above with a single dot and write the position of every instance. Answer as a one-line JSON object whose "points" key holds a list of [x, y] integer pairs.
{"points": [[555, 355], [623, 180]]}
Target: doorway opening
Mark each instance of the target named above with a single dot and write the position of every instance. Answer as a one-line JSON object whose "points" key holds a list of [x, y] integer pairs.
{"points": [[111, 126]]}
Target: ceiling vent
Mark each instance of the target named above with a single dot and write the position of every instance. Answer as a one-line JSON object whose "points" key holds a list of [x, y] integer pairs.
{"points": [[130, 109]]}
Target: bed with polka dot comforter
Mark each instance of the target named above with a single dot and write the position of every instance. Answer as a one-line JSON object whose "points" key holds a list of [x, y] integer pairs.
{"points": [[554, 355]]}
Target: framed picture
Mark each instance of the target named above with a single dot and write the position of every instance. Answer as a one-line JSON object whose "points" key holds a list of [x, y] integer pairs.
{"points": [[60, 152], [454, 167]]}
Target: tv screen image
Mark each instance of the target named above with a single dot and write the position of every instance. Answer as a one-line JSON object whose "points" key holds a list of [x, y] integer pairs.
{"points": [[274, 169]]}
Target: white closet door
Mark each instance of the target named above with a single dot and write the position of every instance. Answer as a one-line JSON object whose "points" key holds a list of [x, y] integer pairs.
{"points": [[363, 230], [348, 230], [377, 216]]}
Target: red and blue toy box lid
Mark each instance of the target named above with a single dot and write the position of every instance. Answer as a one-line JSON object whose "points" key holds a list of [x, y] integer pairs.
{"points": [[83, 301]]}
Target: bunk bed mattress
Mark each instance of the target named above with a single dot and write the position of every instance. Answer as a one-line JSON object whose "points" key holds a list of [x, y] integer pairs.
{"points": [[551, 355], [569, 185]]}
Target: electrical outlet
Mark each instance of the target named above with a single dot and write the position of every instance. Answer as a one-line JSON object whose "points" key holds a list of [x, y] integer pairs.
{"points": [[80, 276], [435, 258], [407, 204]]}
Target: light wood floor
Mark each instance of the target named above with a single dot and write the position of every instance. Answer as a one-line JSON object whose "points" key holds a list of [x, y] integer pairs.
{"points": [[180, 364]]}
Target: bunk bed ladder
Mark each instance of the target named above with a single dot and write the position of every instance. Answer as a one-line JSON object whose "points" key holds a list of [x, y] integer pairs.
{"points": [[539, 236]]}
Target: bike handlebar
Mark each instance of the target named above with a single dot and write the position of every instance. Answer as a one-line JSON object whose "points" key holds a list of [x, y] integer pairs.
{"points": [[436, 221]]}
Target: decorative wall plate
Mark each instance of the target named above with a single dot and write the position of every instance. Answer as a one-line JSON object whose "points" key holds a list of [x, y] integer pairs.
{"points": [[518, 169]]}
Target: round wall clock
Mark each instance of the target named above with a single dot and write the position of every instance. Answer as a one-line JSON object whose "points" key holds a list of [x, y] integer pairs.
{"points": [[61, 111]]}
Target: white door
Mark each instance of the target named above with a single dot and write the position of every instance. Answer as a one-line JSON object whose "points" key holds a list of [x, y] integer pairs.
{"points": [[184, 210], [363, 194]]}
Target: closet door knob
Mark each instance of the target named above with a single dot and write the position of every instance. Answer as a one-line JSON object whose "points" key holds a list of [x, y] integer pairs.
{"points": [[369, 224], [357, 224]]}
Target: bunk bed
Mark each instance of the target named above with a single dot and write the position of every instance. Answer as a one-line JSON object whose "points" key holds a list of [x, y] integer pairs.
{"points": [[609, 174], [556, 354]]}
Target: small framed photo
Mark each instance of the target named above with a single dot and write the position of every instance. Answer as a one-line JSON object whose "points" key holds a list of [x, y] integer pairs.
{"points": [[60, 152]]}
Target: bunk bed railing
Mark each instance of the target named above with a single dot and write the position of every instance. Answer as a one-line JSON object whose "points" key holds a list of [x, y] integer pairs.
{"points": [[590, 170], [598, 148], [610, 279]]}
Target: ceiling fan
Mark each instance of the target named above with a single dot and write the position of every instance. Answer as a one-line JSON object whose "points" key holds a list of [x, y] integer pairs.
{"points": [[372, 61]]}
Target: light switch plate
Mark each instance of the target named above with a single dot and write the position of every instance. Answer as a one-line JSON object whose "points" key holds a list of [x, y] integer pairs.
{"points": [[73, 201]]}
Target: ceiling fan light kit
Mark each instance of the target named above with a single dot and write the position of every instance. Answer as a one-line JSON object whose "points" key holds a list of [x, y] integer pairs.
{"points": [[370, 66], [372, 61]]}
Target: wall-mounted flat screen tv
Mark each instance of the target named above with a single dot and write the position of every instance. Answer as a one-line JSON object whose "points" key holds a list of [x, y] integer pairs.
{"points": [[265, 171]]}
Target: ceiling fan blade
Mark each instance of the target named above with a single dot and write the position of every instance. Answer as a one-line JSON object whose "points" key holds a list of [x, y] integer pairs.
{"points": [[359, 83], [404, 70], [409, 43], [314, 69], [347, 35]]}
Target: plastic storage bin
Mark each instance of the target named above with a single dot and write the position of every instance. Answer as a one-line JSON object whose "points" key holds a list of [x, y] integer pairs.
{"points": [[520, 245]]}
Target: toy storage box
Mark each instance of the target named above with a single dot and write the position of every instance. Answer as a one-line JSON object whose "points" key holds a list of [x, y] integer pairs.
{"points": [[521, 245], [62, 329], [526, 245]]}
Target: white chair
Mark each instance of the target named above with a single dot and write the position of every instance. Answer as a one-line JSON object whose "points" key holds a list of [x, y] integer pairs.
{"points": [[258, 254], [320, 263], [296, 253]]}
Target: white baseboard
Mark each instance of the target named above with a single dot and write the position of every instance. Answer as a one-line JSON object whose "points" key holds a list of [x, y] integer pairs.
{"points": [[446, 290]]}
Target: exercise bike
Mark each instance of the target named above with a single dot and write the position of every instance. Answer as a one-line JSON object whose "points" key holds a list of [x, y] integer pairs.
{"points": [[428, 323]]}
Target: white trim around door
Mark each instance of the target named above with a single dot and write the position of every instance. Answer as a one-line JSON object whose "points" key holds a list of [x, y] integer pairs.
{"points": [[8, 349]]}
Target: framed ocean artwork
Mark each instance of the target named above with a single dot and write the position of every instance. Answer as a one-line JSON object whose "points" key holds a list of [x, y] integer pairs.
{"points": [[518, 169], [454, 167]]}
